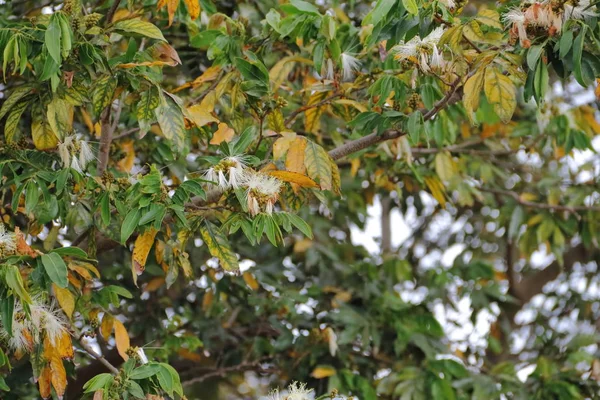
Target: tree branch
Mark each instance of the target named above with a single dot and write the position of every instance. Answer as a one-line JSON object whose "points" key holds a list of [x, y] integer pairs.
{"points": [[111, 12], [375, 138], [97, 356], [105, 140]]}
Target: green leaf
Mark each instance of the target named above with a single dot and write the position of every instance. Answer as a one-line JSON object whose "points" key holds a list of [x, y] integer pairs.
{"points": [[411, 6], [98, 382], [14, 281], [8, 55], [70, 252], [540, 82], [135, 390], [177, 388], [15, 96], [165, 379], [379, 12], [145, 371], [56, 269], [149, 100], [219, 247], [300, 224], [12, 121], [533, 55], [121, 291], [103, 92], [52, 38], [58, 115], [170, 120], [252, 71], [32, 196], [129, 224], [105, 209], [577, 56], [3, 385], [516, 220], [7, 308], [137, 26], [565, 44], [317, 165]]}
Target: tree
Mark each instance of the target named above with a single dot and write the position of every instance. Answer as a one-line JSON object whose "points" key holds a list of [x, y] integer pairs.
{"points": [[181, 184]]}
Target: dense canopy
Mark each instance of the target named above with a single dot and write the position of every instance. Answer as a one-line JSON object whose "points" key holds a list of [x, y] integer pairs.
{"points": [[188, 190]]}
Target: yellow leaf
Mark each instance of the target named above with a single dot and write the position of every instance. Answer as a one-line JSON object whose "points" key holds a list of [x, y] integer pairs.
{"points": [[65, 299], [353, 103], [282, 145], [294, 177], [87, 120], [64, 346], [141, 248], [108, 322], [294, 161], [126, 163], [302, 245], [250, 280], [121, 14], [354, 166], [471, 94], [312, 115], [200, 115], [154, 284], [43, 137], [146, 64], [323, 371], [44, 382], [207, 300], [318, 165], [445, 166], [282, 69], [122, 339], [437, 189], [58, 376], [171, 8], [193, 7], [223, 134], [501, 93], [209, 75]]}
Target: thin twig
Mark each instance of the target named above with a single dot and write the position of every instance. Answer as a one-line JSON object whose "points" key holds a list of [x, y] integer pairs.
{"points": [[302, 109], [477, 49], [126, 133], [544, 206], [97, 356]]}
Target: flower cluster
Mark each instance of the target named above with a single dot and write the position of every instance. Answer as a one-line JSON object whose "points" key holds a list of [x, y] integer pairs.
{"points": [[549, 15], [296, 391], [350, 65], [228, 173], [75, 153], [261, 190], [423, 52], [27, 332], [8, 242]]}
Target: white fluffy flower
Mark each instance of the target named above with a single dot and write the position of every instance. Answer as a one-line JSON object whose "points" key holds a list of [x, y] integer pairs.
{"points": [[45, 321], [516, 18], [295, 391], [75, 153], [448, 3], [262, 192], [349, 65], [423, 52], [142, 355], [228, 173], [49, 319], [582, 10], [8, 241]]}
